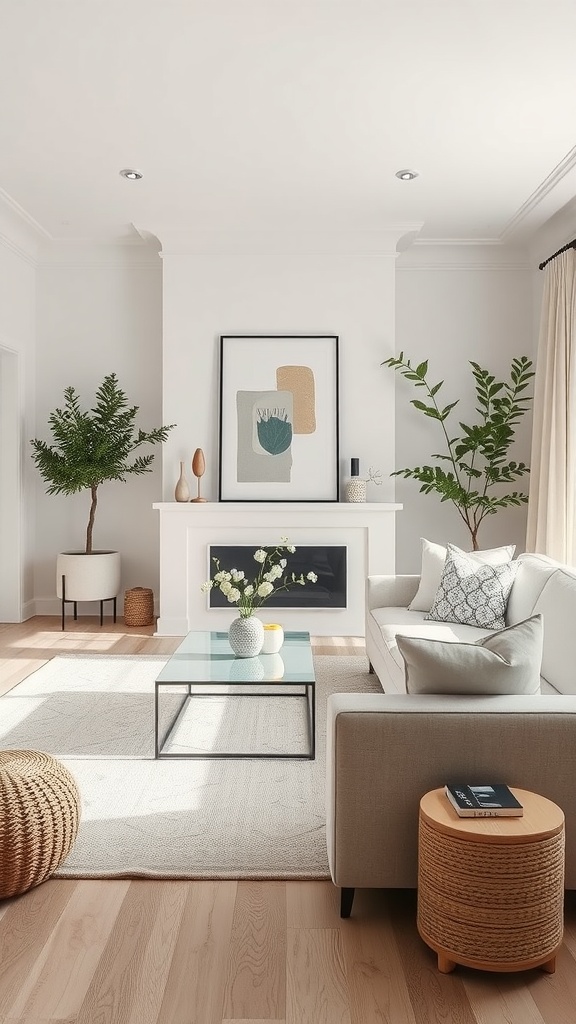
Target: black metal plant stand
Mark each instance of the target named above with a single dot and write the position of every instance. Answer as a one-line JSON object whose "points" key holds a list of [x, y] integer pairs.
{"points": [[67, 600]]}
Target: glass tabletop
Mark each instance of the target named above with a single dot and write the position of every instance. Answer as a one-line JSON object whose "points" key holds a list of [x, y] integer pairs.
{"points": [[206, 657]]}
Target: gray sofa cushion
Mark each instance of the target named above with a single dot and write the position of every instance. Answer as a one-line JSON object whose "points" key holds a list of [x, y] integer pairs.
{"points": [[505, 662]]}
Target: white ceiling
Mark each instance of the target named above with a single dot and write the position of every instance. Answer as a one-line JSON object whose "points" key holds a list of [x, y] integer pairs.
{"points": [[287, 114]]}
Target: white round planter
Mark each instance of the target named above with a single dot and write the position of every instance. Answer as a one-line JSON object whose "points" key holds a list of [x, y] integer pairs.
{"points": [[94, 577]]}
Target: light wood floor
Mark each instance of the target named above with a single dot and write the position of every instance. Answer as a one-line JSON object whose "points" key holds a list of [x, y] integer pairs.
{"points": [[142, 952]]}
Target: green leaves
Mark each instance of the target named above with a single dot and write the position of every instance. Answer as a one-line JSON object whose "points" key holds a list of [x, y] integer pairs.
{"points": [[94, 445], [478, 457]]}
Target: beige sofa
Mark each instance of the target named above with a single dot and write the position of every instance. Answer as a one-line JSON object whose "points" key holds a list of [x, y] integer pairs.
{"points": [[384, 751]]}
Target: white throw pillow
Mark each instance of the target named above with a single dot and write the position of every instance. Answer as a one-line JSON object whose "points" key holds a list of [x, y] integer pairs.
{"points": [[433, 558], [505, 662], [472, 592]]}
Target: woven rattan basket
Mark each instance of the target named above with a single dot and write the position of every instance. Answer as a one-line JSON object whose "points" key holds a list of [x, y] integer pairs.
{"points": [[138, 607], [39, 818]]}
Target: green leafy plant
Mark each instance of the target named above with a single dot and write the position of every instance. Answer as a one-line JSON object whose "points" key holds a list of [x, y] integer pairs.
{"points": [[94, 446], [478, 459]]}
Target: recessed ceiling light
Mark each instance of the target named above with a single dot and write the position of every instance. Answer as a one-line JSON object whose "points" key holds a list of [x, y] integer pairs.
{"points": [[406, 174], [130, 173]]}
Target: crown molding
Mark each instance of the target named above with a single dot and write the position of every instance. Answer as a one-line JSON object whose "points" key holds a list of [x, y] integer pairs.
{"points": [[134, 250], [557, 189], [457, 241], [466, 267], [447, 254], [554, 234], [545, 205], [381, 242], [76, 255], [22, 253], [19, 232]]}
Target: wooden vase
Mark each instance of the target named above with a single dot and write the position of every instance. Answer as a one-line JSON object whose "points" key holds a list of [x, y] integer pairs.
{"points": [[198, 468]]}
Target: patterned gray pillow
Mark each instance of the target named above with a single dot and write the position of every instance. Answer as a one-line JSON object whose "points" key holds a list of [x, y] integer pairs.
{"points": [[472, 593]]}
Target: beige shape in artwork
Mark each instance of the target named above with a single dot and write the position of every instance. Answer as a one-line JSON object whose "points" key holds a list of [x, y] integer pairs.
{"points": [[300, 381]]}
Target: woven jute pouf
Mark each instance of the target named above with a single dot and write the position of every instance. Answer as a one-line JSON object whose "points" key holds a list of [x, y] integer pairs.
{"points": [[39, 818], [138, 607]]}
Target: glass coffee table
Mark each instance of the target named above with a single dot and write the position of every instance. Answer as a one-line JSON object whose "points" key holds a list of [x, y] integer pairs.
{"points": [[204, 665]]}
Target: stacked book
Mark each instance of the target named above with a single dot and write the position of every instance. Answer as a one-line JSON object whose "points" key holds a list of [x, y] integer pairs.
{"points": [[492, 801]]}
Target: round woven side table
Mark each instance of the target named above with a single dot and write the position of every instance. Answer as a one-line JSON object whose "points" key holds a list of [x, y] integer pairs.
{"points": [[491, 890], [39, 818]]}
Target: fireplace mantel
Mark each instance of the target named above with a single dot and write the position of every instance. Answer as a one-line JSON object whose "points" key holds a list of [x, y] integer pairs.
{"points": [[187, 529]]}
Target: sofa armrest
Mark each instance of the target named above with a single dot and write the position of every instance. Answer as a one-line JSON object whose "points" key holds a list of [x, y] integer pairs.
{"points": [[384, 751], [390, 591]]}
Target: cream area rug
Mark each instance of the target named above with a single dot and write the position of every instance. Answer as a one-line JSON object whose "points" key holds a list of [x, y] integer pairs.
{"points": [[181, 818]]}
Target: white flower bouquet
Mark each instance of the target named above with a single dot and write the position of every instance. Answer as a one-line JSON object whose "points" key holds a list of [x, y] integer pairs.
{"points": [[271, 577]]}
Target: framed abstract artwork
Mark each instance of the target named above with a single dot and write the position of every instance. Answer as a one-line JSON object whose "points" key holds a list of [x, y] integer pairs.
{"points": [[279, 432]]}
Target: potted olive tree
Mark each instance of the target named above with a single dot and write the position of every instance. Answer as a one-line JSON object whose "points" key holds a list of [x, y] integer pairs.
{"points": [[90, 447]]}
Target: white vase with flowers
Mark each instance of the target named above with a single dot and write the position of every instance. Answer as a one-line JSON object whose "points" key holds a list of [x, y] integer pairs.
{"points": [[246, 632]]}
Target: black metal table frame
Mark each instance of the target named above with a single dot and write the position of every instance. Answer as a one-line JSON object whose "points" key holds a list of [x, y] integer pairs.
{"points": [[308, 692]]}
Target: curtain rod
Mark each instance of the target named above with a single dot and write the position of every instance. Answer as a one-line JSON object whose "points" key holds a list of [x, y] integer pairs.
{"points": [[569, 245]]}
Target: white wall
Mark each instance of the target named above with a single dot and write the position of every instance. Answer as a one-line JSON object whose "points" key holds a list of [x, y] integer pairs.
{"points": [[452, 306], [98, 313], [206, 296], [17, 330]]}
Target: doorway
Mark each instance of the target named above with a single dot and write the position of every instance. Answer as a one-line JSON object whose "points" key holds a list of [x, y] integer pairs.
{"points": [[10, 489]]}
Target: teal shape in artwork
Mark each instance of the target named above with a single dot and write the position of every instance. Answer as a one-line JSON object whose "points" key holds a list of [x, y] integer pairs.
{"points": [[274, 430]]}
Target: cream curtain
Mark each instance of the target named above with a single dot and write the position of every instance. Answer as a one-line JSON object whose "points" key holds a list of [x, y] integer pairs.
{"points": [[551, 508]]}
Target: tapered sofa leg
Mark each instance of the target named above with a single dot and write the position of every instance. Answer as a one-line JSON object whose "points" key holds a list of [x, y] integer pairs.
{"points": [[370, 668], [346, 901]]}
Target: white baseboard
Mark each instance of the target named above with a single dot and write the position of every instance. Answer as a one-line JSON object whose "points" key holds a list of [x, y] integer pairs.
{"points": [[47, 606], [171, 626], [28, 610]]}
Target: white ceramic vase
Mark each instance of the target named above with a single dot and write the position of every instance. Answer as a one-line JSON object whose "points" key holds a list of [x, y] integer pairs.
{"points": [[356, 489], [182, 490], [246, 636]]}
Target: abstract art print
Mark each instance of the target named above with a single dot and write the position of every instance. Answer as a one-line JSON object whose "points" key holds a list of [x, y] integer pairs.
{"points": [[278, 418]]}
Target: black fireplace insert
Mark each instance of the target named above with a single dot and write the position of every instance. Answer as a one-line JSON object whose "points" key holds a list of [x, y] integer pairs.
{"points": [[327, 561]]}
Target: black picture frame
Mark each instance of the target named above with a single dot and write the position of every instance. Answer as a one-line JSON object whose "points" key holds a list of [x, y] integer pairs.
{"points": [[279, 418]]}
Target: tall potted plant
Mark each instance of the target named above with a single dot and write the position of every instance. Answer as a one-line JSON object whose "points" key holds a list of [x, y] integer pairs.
{"points": [[476, 463], [91, 447]]}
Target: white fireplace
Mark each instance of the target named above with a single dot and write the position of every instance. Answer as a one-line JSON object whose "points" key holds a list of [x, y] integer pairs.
{"points": [[187, 531]]}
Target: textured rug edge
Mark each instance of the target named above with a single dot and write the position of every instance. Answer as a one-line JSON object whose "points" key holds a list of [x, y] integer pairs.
{"points": [[356, 662], [195, 876]]}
